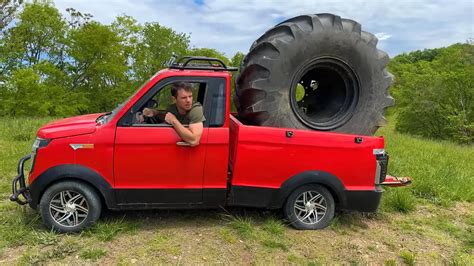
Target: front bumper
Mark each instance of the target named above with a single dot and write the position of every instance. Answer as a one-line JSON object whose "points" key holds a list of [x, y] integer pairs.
{"points": [[21, 193]]}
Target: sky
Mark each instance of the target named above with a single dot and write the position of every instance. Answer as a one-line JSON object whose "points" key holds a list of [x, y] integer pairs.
{"points": [[230, 26]]}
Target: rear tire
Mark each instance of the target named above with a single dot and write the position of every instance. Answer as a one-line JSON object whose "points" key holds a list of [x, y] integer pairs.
{"points": [[310, 207], [316, 72], [70, 206]]}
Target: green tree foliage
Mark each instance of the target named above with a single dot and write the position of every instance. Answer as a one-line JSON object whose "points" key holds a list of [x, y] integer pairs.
{"points": [[156, 48], [61, 66], [37, 36], [208, 52], [8, 10], [434, 90], [98, 67], [235, 61]]}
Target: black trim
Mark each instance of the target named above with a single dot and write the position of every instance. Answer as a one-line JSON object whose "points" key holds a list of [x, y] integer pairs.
{"points": [[170, 198], [158, 196], [382, 161], [71, 172], [252, 196], [363, 201], [214, 197]]}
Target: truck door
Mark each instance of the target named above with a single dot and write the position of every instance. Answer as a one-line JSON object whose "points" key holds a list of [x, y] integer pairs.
{"points": [[150, 167]]}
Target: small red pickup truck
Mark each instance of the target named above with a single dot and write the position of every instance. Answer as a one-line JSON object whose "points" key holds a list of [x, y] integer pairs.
{"points": [[83, 164]]}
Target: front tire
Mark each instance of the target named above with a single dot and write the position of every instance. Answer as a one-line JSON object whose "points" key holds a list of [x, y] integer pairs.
{"points": [[69, 207], [310, 207]]}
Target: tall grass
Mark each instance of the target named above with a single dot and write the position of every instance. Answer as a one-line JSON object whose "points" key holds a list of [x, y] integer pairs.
{"points": [[442, 172], [16, 137]]}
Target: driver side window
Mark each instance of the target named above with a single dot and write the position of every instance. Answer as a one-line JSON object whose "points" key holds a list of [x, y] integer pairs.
{"points": [[161, 101]]}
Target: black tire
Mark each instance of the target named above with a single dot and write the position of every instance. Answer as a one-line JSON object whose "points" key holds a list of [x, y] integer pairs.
{"points": [[319, 218], [68, 200], [342, 72]]}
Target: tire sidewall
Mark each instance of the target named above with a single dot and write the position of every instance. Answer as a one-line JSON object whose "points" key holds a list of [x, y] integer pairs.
{"points": [[289, 210], [339, 45], [89, 194], [287, 48]]}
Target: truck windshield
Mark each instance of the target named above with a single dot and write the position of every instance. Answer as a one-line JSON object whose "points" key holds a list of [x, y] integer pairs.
{"points": [[109, 115]]}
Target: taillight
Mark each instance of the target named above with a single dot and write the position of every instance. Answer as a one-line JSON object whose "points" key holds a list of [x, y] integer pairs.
{"points": [[382, 165]]}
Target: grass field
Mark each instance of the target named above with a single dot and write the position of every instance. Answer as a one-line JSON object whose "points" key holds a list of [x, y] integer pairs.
{"points": [[430, 222]]}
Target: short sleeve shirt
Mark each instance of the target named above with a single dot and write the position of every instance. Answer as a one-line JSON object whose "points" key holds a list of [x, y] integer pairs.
{"points": [[193, 116]]}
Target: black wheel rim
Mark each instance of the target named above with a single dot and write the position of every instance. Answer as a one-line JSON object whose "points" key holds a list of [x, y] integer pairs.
{"points": [[330, 91]]}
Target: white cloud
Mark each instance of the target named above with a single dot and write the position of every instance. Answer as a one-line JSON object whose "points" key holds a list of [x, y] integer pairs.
{"points": [[233, 25], [382, 36]]}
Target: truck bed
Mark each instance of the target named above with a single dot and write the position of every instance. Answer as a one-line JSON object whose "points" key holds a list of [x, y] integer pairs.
{"points": [[265, 157]]}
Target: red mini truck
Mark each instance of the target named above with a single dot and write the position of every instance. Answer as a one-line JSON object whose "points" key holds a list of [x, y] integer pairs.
{"points": [[83, 164]]}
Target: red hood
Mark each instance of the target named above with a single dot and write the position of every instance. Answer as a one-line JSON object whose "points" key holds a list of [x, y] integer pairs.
{"points": [[72, 126]]}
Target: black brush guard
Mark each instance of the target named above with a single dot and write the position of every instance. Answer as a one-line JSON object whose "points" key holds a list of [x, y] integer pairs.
{"points": [[19, 187]]}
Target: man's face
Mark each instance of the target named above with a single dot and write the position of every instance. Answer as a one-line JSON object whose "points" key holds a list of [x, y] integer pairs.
{"points": [[184, 100]]}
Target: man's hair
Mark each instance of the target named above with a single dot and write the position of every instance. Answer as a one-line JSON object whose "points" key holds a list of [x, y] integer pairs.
{"points": [[180, 86]]}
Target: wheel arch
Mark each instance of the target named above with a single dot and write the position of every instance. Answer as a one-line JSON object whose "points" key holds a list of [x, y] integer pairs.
{"points": [[72, 172], [329, 181]]}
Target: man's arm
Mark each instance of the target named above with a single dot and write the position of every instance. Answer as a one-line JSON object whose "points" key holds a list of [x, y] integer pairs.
{"points": [[191, 135]]}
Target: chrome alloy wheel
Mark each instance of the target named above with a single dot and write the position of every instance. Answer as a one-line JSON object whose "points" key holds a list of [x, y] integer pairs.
{"points": [[310, 207], [69, 208]]}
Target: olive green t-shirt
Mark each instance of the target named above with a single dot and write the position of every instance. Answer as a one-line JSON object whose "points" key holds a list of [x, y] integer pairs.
{"points": [[193, 116]]}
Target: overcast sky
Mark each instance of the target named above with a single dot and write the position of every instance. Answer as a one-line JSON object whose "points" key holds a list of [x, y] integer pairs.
{"points": [[231, 25]]}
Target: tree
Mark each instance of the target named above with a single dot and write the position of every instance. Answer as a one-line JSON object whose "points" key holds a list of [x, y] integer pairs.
{"points": [[98, 66], [435, 96], [37, 36], [208, 52], [155, 49], [8, 10]]}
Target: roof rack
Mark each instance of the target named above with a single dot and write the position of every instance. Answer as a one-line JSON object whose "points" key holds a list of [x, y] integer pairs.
{"points": [[204, 63]]}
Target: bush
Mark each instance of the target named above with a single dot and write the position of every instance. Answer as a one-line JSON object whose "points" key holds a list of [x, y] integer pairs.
{"points": [[435, 97]]}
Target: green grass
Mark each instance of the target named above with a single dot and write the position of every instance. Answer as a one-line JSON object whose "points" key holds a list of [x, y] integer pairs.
{"points": [[408, 257], [442, 172], [107, 229], [243, 226], [399, 199], [93, 254]]}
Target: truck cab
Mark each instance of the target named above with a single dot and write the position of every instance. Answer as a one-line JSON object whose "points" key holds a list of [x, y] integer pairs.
{"points": [[83, 164]]}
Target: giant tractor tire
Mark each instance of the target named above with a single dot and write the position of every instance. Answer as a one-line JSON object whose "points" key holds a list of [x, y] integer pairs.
{"points": [[316, 72]]}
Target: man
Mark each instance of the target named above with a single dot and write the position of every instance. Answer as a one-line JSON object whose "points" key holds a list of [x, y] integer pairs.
{"points": [[183, 112]]}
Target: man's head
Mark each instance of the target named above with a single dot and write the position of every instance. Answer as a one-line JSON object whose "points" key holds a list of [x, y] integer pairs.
{"points": [[182, 93]]}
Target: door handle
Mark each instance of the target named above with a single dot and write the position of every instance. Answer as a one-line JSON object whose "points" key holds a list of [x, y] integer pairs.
{"points": [[183, 144]]}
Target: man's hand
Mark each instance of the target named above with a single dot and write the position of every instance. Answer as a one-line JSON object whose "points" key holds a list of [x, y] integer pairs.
{"points": [[148, 112], [170, 118]]}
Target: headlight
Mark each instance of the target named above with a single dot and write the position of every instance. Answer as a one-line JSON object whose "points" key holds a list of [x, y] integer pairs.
{"points": [[39, 143]]}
